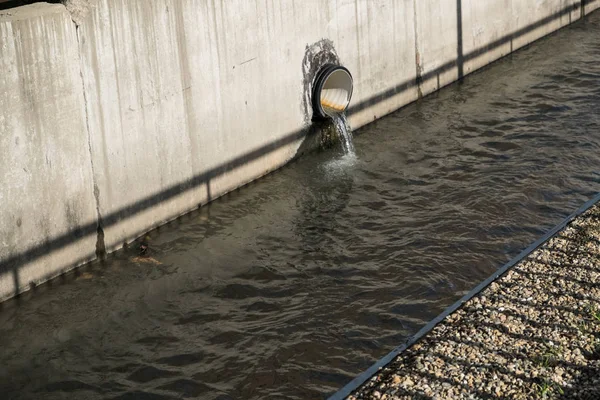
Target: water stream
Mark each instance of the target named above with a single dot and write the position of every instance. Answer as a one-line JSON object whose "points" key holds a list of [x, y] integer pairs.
{"points": [[290, 287], [342, 127]]}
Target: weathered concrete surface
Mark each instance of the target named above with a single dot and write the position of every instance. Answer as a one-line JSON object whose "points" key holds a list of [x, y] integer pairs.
{"points": [[187, 89], [535, 19], [79, 9], [375, 41], [487, 35], [455, 38], [45, 174], [437, 43], [591, 5]]}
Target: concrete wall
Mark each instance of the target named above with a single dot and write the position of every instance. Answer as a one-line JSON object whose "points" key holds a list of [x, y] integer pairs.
{"points": [[591, 5], [168, 101], [46, 188], [458, 37], [132, 112]]}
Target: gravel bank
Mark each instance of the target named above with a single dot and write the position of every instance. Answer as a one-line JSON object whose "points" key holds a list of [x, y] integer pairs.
{"points": [[533, 333]]}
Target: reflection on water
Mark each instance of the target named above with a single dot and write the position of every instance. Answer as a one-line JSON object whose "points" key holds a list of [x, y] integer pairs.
{"points": [[295, 284]]}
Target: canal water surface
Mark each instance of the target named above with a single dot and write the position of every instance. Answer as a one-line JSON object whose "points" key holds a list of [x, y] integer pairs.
{"points": [[291, 286]]}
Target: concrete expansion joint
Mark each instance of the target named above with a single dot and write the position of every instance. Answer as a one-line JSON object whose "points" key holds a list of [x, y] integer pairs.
{"points": [[100, 244], [419, 68]]}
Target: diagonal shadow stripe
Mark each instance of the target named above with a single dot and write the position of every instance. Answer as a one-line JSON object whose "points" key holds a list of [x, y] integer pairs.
{"points": [[460, 60]]}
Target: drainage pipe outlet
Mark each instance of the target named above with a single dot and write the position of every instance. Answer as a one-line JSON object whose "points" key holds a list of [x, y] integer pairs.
{"points": [[332, 91]]}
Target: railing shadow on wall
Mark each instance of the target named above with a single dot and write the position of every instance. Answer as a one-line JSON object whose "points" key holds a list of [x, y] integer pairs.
{"points": [[12, 264], [461, 58]]}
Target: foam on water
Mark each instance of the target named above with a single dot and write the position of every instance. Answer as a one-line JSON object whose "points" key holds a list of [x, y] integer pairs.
{"points": [[340, 166]]}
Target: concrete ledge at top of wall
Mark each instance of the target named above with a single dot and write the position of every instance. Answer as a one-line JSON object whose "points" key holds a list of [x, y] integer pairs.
{"points": [[33, 10], [78, 9]]}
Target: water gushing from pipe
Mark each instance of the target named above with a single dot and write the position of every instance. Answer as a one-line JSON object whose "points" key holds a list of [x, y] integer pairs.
{"points": [[344, 131], [331, 93]]}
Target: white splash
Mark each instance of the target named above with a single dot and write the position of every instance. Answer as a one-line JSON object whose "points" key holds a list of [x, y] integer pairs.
{"points": [[342, 166]]}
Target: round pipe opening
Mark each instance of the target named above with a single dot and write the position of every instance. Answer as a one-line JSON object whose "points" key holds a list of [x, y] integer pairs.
{"points": [[332, 91]]}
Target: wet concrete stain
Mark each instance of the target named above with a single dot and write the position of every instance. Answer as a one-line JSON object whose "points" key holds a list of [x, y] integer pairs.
{"points": [[316, 56], [320, 133]]}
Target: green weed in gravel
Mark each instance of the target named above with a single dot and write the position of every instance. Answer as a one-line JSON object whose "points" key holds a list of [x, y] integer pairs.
{"points": [[550, 356], [595, 313], [546, 388]]}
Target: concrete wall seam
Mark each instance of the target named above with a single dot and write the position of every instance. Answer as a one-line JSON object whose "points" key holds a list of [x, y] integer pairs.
{"points": [[100, 251]]}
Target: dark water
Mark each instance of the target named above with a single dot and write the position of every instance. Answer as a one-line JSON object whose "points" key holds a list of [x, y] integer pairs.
{"points": [[295, 284]]}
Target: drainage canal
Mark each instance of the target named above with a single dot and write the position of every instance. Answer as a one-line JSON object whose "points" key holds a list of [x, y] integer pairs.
{"points": [[292, 286]]}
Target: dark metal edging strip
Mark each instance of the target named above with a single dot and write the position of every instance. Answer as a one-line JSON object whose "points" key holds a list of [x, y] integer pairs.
{"points": [[363, 377]]}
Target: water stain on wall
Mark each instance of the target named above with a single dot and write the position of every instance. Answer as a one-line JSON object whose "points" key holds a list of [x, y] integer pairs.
{"points": [[315, 57]]}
